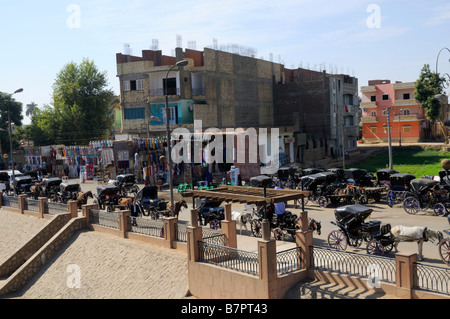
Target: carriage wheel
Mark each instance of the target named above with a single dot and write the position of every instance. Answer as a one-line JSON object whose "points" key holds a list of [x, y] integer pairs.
{"points": [[337, 240], [411, 205], [363, 199], [439, 209], [322, 201], [374, 247], [278, 234], [444, 251], [256, 228]]}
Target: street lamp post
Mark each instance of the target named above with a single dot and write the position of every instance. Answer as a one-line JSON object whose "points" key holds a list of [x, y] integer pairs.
{"points": [[10, 138], [399, 128], [169, 150], [389, 136]]}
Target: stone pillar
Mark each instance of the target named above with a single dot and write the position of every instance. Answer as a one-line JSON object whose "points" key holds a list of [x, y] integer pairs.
{"points": [[170, 235], [85, 211], [42, 201], [304, 240], [229, 228], [267, 259], [405, 274], [124, 225], [72, 208], [194, 235], [22, 202]]}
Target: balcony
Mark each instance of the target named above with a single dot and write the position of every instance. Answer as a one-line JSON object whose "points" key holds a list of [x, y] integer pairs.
{"points": [[369, 119], [410, 117], [405, 102], [407, 85], [368, 104], [161, 91], [371, 88]]}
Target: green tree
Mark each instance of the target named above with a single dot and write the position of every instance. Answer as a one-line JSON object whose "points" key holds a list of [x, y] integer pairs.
{"points": [[8, 103], [427, 87], [30, 109], [79, 110]]}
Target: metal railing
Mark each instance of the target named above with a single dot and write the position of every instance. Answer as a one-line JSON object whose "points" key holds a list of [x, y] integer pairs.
{"points": [[105, 219], [219, 239], [181, 233], [32, 205], [354, 264], [433, 278], [289, 260], [11, 201], [53, 208], [228, 257], [146, 226]]}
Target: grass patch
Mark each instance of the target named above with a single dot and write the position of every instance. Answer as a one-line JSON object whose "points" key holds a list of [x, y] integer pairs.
{"points": [[416, 161]]}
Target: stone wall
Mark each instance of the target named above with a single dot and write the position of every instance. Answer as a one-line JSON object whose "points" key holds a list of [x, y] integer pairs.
{"points": [[38, 259], [33, 245]]}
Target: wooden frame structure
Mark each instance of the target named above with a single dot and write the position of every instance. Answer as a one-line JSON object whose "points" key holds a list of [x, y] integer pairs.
{"points": [[249, 195]]}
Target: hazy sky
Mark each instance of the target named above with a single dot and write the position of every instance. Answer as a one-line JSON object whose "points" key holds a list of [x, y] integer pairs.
{"points": [[368, 39]]}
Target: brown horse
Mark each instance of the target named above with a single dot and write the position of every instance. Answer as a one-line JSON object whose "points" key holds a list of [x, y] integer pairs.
{"points": [[83, 197], [178, 206], [36, 190]]}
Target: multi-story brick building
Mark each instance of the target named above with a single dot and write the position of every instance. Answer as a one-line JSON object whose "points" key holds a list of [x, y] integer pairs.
{"points": [[407, 118], [316, 113]]}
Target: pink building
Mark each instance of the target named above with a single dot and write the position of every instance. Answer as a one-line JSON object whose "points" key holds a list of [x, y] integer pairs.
{"points": [[407, 118]]}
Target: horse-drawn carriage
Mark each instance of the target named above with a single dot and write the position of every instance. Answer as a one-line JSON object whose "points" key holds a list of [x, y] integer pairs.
{"points": [[384, 176], [444, 246], [22, 184], [261, 181], [126, 183], [279, 223], [152, 206], [211, 212], [50, 188], [426, 193], [353, 230], [323, 187], [68, 191], [399, 188], [360, 177], [107, 197]]}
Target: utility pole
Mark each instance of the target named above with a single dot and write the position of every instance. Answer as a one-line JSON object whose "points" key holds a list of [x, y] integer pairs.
{"points": [[389, 135]]}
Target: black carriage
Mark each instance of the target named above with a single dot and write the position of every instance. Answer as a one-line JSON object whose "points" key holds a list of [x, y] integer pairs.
{"points": [[4, 182], [22, 184], [360, 177], [278, 223], [399, 188], [152, 206], [50, 188], [286, 177], [127, 183], [353, 230], [311, 171], [261, 181], [68, 191], [384, 176], [426, 193], [444, 177], [340, 174], [326, 188], [107, 197], [211, 212]]}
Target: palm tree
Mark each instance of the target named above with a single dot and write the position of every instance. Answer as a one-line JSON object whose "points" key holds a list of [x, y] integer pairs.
{"points": [[30, 109]]}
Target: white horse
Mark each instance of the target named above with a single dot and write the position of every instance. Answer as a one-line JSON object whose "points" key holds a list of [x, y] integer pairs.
{"points": [[241, 219], [415, 234]]}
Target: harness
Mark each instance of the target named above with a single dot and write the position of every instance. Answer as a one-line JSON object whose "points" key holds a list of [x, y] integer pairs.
{"points": [[425, 234]]}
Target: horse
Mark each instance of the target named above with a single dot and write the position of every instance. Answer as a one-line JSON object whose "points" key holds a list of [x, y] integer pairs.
{"points": [[178, 205], [415, 234], [36, 190], [83, 197], [313, 225], [242, 219]]}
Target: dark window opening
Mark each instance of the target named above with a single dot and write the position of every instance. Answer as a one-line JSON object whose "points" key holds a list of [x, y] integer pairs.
{"points": [[406, 96], [171, 86], [385, 97], [133, 86], [373, 98]]}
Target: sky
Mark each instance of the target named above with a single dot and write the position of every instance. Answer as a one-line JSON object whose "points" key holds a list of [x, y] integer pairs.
{"points": [[386, 39]]}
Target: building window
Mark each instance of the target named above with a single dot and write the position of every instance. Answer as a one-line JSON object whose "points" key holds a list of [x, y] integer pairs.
{"points": [[172, 115], [385, 97], [405, 112], [373, 114], [406, 96], [406, 129], [373, 129], [140, 85], [348, 120], [373, 98], [134, 113], [126, 85], [385, 112], [171, 84]]}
